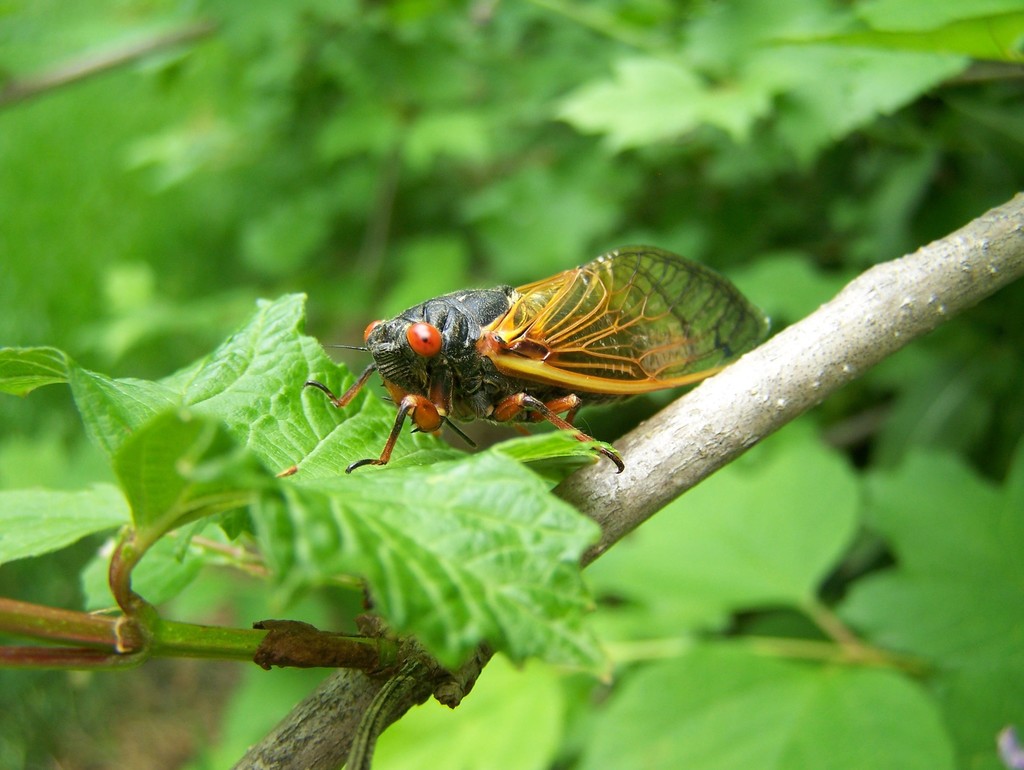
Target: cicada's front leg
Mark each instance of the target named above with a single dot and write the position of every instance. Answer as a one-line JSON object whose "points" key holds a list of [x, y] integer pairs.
{"points": [[422, 412], [345, 398], [512, 406]]}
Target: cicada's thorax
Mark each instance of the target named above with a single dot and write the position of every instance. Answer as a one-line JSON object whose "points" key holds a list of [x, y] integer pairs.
{"points": [[458, 381]]}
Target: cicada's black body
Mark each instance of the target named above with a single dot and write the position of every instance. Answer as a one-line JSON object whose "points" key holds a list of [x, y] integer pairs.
{"points": [[461, 383], [634, 320]]}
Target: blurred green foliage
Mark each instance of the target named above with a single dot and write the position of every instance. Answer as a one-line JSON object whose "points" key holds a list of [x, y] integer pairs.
{"points": [[372, 154]]}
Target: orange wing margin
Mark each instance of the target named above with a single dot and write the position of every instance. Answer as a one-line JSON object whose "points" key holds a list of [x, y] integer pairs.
{"points": [[634, 320]]}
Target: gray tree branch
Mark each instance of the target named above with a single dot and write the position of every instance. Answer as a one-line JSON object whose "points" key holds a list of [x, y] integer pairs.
{"points": [[875, 315]]}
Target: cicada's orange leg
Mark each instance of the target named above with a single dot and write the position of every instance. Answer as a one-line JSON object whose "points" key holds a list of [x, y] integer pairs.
{"points": [[337, 401], [345, 398], [420, 410], [512, 406]]}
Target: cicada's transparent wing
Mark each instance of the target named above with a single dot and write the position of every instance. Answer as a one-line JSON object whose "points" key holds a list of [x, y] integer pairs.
{"points": [[634, 320]]}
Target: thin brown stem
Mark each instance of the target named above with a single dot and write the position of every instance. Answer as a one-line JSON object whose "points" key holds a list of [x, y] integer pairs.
{"points": [[20, 89]]}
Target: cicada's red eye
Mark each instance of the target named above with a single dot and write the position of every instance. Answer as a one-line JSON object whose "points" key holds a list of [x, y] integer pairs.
{"points": [[369, 330], [424, 339]]}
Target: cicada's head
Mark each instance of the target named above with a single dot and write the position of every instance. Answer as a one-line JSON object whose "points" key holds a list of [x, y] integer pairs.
{"points": [[434, 341], [404, 350]]}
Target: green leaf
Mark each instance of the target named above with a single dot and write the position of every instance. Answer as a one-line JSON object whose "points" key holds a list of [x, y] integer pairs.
{"points": [[283, 240], [554, 454], [461, 135], [426, 267], [722, 709], [112, 409], [956, 595], [537, 220], [832, 91], [454, 553], [488, 729], [37, 521], [654, 100], [181, 467], [926, 14], [742, 67], [979, 701], [763, 531], [22, 370], [253, 383], [996, 38]]}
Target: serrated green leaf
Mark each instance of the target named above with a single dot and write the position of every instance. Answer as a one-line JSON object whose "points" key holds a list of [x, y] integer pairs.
{"points": [[438, 561], [820, 93], [22, 370], [719, 709], [253, 383], [455, 553], [112, 409], [763, 531], [827, 90], [180, 467], [957, 594], [38, 521]]}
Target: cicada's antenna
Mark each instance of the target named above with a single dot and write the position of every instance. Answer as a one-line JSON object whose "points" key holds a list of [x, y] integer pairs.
{"points": [[349, 347]]}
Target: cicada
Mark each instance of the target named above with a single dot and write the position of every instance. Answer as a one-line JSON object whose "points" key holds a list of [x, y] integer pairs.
{"points": [[634, 320]]}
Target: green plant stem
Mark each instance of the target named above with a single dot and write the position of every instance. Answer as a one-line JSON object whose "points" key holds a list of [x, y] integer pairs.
{"points": [[241, 558], [80, 658], [830, 623], [39, 622], [840, 653], [830, 652], [112, 642], [100, 641], [188, 640]]}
